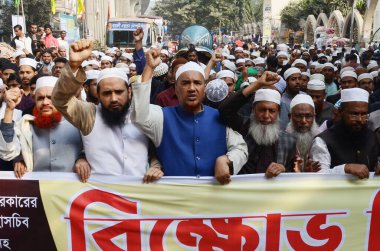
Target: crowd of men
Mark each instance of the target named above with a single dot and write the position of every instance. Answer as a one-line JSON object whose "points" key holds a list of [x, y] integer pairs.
{"points": [[252, 109]]}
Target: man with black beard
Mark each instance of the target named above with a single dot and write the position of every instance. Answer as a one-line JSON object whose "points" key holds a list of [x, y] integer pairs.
{"points": [[113, 144], [304, 128], [349, 146], [270, 150]]}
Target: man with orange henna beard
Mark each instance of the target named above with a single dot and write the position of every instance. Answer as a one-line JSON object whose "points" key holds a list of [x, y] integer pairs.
{"points": [[47, 142]]}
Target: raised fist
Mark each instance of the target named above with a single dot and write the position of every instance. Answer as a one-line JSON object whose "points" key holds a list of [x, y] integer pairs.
{"points": [[153, 58], [13, 97], [80, 51], [138, 34]]}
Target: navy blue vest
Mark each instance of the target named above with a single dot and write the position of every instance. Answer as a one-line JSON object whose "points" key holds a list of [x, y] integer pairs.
{"points": [[191, 142]]}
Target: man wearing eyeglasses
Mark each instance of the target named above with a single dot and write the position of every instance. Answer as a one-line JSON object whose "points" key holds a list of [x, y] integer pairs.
{"points": [[349, 146]]}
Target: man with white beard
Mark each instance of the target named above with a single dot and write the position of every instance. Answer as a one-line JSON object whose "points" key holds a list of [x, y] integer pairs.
{"points": [[304, 128], [270, 150]]}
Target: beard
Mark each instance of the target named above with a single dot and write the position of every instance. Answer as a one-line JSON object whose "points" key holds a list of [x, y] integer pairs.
{"points": [[303, 139], [264, 134], [114, 118], [46, 121]]}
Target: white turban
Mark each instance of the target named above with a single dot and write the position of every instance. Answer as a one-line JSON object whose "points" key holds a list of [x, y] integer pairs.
{"points": [[316, 85], [301, 99], [226, 74], [189, 66], [29, 62], [299, 61], [364, 76], [92, 74], [106, 58], [112, 73], [348, 74], [354, 95], [282, 53], [48, 81], [268, 95], [291, 71]]}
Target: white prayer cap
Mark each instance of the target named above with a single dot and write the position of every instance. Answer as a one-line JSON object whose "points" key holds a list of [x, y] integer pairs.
{"points": [[128, 56], [160, 70], [282, 47], [259, 60], [239, 49], [371, 66], [229, 65], [96, 53], [348, 68], [248, 59], [225, 54], [216, 90], [246, 52], [364, 76], [48, 81], [240, 60], [337, 62], [291, 71], [349, 74], [231, 57], [189, 66], [112, 73], [299, 61], [18, 53], [321, 55], [166, 52], [101, 54], [301, 99], [226, 74], [251, 79], [111, 51], [212, 72], [316, 85], [354, 95], [329, 65], [255, 54], [335, 69], [123, 66], [306, 73], [132, 66], [318, 76], [319, 66], [374, 74], [85, 63], [282, 53], [29, 62], [106, 58], [93, 62], [92, 74], [314, 64], [267, 95]]}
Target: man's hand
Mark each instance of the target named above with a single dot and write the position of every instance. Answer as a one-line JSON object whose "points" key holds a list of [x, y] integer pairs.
{"points": [[274, 170], [138, 34], [216, 57], [222, 170], [358, 170], [13, 98], [19, 169], [79, 52], [83, 169], [153, 58], [153, 174], [268, 79], [312, 166]]}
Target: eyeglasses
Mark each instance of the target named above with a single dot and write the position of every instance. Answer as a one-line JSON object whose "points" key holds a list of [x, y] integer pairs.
{"points": [[299, 117]]}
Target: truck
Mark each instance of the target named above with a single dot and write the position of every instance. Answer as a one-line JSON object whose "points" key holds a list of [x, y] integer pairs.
{"points": [[119, 31]]}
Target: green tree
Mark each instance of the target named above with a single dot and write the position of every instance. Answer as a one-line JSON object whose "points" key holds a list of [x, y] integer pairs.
{"points": [[296, 11], [36, 11], [209, 13]]}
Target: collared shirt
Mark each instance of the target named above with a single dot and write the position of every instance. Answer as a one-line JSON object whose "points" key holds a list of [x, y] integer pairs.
{"points": [[50, 41], [167, 98]]}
